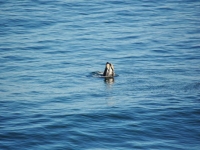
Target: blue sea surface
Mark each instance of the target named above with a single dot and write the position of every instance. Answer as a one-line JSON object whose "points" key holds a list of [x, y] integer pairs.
{"points": [[50, 101]]}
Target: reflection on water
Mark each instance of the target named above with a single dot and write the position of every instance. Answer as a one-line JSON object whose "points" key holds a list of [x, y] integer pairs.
{"points": [[110, 100], [109, 80]]}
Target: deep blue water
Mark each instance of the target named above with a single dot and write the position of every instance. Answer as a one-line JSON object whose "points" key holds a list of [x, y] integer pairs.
{"points": [[49, 100]]}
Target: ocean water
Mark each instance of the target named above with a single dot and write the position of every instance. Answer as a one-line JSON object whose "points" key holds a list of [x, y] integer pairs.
{"points": [[50, 101]]}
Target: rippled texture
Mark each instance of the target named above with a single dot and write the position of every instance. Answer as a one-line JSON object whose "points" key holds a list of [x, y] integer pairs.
{"points": [[49, 100]]}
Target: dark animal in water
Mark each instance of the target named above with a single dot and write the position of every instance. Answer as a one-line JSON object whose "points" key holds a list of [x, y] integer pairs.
{"points": [[109, 70]]}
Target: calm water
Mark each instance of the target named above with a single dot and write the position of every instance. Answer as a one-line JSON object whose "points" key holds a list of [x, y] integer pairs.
{"points": [[49, 100]]}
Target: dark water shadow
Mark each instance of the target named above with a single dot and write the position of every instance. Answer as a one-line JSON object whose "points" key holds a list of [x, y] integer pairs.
{"points": [[99, 74]]}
